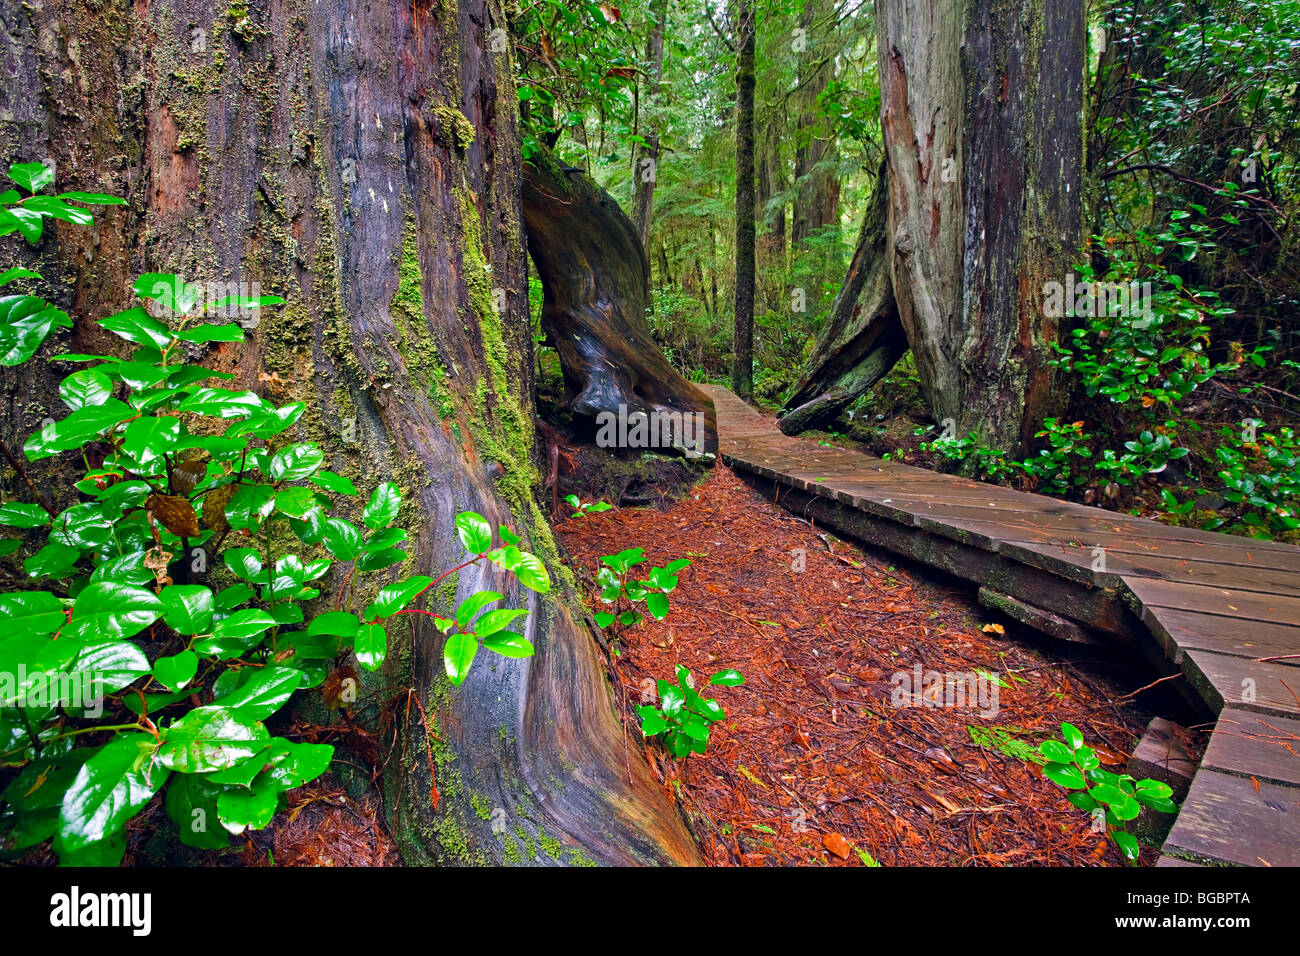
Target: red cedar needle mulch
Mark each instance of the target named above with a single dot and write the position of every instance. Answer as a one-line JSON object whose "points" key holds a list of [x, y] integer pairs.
{"points": [[813, 764]]}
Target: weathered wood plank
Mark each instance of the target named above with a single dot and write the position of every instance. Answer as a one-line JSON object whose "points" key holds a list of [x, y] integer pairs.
{"points": [[1098, 608], [1255, 745], [1116, 563], [1225, 820], [1225, 681], [1180, 631], [1229, 603], [1053, 625]]}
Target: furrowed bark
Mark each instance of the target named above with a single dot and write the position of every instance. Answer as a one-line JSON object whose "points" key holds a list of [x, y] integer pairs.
{"points": [[742, 363], [363, 162], [981, 111]]}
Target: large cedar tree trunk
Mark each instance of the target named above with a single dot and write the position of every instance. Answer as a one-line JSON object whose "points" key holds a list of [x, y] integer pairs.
{"points": [[361, 160], [981, 106]]}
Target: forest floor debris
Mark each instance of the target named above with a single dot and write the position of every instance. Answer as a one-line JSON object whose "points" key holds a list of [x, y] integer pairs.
{"points": [[814, 763]]}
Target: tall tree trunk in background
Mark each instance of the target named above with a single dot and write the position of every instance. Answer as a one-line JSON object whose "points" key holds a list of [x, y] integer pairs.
{"points": [[817, 201], [742, 369], [647, 157], [862, 338], [770, 252], [362, 161], [981, 110]]}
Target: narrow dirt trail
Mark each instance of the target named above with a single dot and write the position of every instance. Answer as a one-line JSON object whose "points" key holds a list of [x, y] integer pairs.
{"points": [[815, 764]]}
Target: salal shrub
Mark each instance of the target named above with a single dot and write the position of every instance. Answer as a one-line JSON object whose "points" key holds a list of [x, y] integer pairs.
{"points": [[173, 600]]}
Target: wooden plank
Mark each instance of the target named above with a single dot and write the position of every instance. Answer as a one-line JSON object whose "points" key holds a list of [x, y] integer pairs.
{"points": [[1098, 608], [1179, 631], [1255, 745], [1166, 860], [1224, 681], [1080, 522], [1225, 820], [1229, 603], [1209, 573]]}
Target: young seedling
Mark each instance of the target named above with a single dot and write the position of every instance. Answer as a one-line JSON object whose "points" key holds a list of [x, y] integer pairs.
{"points": [[616, 586], [682, 717], [584, 508], [1117, 798]]}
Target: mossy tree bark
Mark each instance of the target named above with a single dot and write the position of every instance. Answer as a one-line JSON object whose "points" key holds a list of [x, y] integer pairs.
{"points": [[817, 203], [643, 175], [363, 162]]}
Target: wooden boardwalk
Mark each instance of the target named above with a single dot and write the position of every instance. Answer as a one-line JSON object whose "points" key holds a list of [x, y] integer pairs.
{"points": [[1208, 605]]}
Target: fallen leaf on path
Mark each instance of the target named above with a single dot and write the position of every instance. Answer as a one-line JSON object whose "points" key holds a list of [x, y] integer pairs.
{"points": [[837, 845]]}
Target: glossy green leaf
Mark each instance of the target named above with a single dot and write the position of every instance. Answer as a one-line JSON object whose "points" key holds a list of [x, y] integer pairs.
{"points": [[493, 621], [458, 655], [337, 484], [1067, 775], [1072, 736], [342, 539], [508, 644], [31, 613], [394, 597], [264, 693], [382, 507], [474, 532], [191, 802], [187, 608], [31, 176], [85, 388], [138, 326], [532, 573], [727, 678], [20, 514], [210, 738], [475, 603], [240, 810], [370, 644], [339, 623], [176, 672], [108, 790], [296, 462], [1128, 844], [1056, 752], [108, 609]]}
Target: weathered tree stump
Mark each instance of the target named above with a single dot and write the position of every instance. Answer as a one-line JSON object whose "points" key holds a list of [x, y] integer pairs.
{"points": [[595, 285]]}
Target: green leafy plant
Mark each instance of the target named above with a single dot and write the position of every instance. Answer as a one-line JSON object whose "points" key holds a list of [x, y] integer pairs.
{"points": [[583, 508], [619, 588], [27, 320], [1262, 478], [168, 612], [683, 717], [1118, 797]]}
